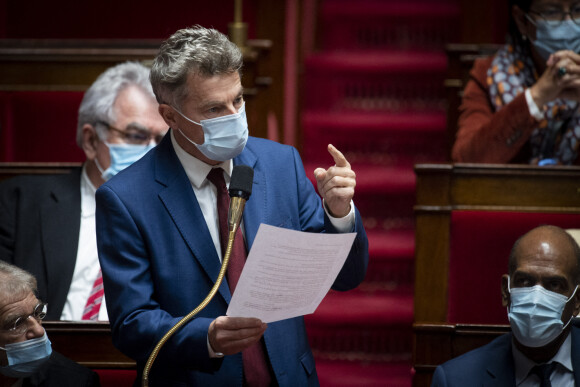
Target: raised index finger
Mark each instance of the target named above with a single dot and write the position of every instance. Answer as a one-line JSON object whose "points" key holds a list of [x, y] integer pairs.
{"points": [[339, 159]]}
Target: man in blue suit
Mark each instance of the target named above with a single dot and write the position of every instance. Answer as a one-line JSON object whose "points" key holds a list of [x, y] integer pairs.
{"points": [[158, 233], [541, 293]]}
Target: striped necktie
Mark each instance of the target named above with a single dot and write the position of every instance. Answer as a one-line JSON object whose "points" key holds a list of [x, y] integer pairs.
{"points": [[93, 305]]}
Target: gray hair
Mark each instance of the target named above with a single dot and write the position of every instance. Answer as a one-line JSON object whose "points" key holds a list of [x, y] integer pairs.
{"points": [[15, 282], [197, 50], [98, 101]]}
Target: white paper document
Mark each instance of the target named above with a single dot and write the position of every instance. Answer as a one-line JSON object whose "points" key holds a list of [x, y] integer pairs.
{"points": [[288, 273]]}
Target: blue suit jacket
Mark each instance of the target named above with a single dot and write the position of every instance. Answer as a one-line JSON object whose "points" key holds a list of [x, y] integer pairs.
{"points": [[159, 263], [492, 365]]}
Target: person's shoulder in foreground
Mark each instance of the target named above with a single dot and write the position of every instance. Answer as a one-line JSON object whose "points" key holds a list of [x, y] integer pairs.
{"points": [[60, 371], [484, 363]]}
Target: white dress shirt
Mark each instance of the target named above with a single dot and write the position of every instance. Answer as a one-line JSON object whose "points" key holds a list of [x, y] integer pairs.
{"points": [[87, 264], [563, 374]]}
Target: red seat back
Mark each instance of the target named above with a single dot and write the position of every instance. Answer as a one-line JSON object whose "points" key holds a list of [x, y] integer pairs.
{"points": [[480, 243], [39, 126]]}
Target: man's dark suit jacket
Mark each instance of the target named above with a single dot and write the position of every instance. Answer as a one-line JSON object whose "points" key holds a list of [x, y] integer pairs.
{"points": [[493, 365], [60, 371], [39, 231]]}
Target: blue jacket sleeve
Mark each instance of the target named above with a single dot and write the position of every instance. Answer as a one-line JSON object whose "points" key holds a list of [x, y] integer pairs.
{"points": [[139, 323], [354, 269]]}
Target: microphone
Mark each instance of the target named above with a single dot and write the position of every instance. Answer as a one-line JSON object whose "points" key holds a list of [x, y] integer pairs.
{"points": [[240, 191]]}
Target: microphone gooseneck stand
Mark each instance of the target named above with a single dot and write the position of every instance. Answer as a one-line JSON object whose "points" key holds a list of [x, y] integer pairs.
{"points": [[242, 190]]}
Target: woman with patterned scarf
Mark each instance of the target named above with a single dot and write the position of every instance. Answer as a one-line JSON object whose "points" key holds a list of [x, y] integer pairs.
{"points": [[521, 105]]}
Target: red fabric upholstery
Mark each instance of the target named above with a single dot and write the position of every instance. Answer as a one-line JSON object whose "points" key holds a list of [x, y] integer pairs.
{"points": [[116, 378], [479, 247], [39, 126]]}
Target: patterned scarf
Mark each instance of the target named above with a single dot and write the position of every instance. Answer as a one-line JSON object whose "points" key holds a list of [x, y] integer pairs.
{"points": [[557, 135]]}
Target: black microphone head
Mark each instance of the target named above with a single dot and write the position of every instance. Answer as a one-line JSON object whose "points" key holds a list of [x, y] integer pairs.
{"points": [[241, 182]]}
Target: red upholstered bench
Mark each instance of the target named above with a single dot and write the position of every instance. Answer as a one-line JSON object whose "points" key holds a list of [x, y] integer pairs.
{"points": [[479, 247]]}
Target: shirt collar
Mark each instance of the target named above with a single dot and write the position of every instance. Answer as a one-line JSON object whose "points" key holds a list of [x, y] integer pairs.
{"points": [[88, 190], [524, 365], [196, 169]]}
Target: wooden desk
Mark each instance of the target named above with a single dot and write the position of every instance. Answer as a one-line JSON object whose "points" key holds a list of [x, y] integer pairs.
{"points": [[8, 170], [442, 188]]}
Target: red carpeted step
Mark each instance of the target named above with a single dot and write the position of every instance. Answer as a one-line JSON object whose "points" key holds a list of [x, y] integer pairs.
{"points": [[389, 140], [340, 309], [377, 62], [373, 123], [399, 244], [344, 373], [403, 136], [358, 326], [375, 81], [374, 178], [388, 24]]}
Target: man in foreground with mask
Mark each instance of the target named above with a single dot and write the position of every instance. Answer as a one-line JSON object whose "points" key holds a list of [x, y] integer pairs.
{"points": [[47, 223], [26, 355], [159, 237], [542, 298]]}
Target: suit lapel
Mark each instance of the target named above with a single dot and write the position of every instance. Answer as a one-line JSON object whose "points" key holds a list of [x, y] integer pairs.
{"points": [[181, 204], [256, 207], [576, 351], [60, 224], [500, 371]]}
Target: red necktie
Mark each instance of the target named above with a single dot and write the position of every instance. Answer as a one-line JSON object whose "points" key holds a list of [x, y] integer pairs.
{"points": [[254, 358], [93, 305]]}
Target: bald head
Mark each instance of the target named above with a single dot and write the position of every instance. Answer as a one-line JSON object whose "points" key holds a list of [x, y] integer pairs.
{"points": [[547, 247]]}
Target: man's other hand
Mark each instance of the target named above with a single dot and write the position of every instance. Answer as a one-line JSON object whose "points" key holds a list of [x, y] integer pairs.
{"points": [[336, 184]]}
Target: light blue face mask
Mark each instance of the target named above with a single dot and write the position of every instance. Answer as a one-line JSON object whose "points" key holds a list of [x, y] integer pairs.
{"points": [[223, 137], [122, 155], [535, 314], [26, 357], [555, 36]]}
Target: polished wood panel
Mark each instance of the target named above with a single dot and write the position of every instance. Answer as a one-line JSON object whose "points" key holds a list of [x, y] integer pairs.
{"points": [[434, 344], [10, 169], [88, 344]]}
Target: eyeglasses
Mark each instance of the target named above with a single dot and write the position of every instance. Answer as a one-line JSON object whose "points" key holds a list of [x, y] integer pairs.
{"points": [[20, 326], [556, 16], [134, 135]]}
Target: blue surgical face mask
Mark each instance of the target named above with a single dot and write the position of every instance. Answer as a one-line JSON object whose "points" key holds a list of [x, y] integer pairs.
{"points": [[535, 314], [26, 357], [555, 36], [122, 155], [223, 137]]}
